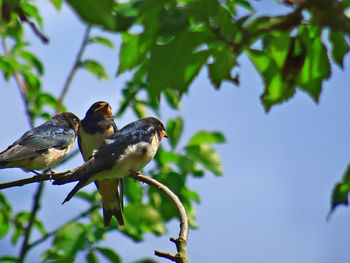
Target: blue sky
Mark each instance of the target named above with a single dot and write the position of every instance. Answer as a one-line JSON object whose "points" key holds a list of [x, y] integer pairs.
{"points": [[279, 168]]}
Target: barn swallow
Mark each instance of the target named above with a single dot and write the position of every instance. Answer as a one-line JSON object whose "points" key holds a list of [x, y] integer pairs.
{"points": [[127, 150], [97, 126], [43, 147]]}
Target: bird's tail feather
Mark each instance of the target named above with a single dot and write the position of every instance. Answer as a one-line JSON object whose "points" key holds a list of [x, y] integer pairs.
{"points": [[115, 208], [115, 211], [74, 190], [84, 171]]}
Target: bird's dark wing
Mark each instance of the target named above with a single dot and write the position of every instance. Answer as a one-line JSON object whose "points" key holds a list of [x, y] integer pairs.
{"points": [[108, 154], [115, 146], [38, 139]]}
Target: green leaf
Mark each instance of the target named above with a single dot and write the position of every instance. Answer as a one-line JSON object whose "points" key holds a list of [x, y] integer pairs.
{"points": [[207, 156], [57, 4], [188, 165], [86, 196], [129, 59], [139, 109], [276, 46], [174, 131], [207, 137], [276, 89], [197, 61], [95, 68], [5, 259], [32, 60], [221, 68], [91, 257], [340, 192], [109, 254], [68, 240], [103, 41], [169, 62], [142, 218], [40, 226], [102, 13], [5, 224], [173, 98], [316, 67], [132, 190], [31, 11], [167, 157], [33, 85], [339, 47], [246, 4]]}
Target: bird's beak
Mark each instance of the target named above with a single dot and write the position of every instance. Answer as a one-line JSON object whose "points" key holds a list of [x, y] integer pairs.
{"points": [[163, 134], [104, 111]]}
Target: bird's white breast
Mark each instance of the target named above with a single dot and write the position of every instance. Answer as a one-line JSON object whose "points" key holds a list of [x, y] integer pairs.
{"points": [[135, 157]]}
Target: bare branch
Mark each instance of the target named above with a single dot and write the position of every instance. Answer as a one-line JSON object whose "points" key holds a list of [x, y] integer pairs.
{"points": [[181, 241], [36, 31], [34, 179], [74, 68], [40, 177], [35, 209]]}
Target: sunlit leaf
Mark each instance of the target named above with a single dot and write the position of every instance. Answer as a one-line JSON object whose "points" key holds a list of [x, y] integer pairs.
{"points": [[276, 89], [174, 130], [139, 109], [67, 242], [31, 11], [32, 60], [142, 219], [5, 259], [103, 41], [132, 190], [340, 192], [86, 196], [316, 67], [207, 137], [95, 68], [5, 224], [57, 3], [207, 156], [109, 254]]}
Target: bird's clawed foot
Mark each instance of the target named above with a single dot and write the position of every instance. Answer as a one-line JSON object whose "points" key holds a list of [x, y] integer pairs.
{"points": [[36, 173], [56, 175], [135, 173]]}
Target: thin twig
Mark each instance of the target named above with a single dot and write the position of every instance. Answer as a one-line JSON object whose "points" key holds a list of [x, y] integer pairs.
{"points": [[36, 31], [181, 241], [35, 209], [37, 195], [35, 179], [74, 68], [74, 219]]}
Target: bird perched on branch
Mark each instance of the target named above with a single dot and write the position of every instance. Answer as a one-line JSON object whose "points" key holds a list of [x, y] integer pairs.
{"points": [[127, 150], [43, 147], [97, 126]]}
